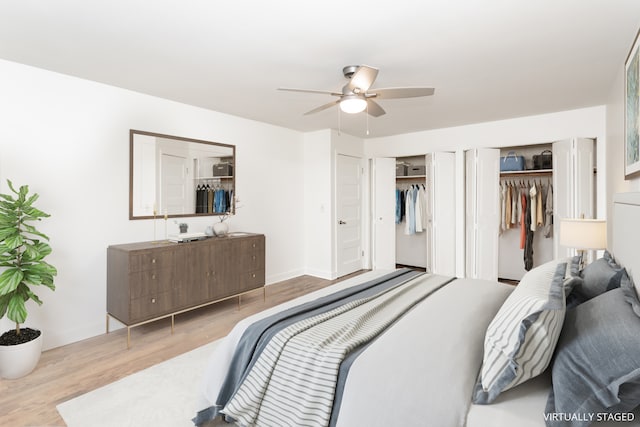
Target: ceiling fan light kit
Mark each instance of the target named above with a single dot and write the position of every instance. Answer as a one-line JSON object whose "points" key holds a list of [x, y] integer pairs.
{"points": [[353, 104]]}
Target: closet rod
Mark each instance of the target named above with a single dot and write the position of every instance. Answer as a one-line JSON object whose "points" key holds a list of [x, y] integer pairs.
{"points": [[533, 172]]}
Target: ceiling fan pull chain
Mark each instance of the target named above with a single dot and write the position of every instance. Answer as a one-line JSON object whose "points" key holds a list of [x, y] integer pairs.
{"points": [[339, 122], [367, 119]]}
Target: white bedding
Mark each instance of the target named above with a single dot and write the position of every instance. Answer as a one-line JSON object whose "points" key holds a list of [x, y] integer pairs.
{"points": [[523, 406], [421, 371]]}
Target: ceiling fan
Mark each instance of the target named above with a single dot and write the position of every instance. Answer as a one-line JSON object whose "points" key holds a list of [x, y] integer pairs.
{"points": [[357, 95]]}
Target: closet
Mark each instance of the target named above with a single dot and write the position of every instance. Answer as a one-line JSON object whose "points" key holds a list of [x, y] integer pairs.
{"points": [[424, 212], [494, 245]]}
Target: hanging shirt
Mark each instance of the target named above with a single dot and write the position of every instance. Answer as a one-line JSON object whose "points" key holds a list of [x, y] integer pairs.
{"points": [[539, 211], [503, 206], [423, 206], [519, 206], [514, 206], [507, 216], [533, 193], [417, 206], [410, 224], [398, 207], [523, 222], [548, 224]]}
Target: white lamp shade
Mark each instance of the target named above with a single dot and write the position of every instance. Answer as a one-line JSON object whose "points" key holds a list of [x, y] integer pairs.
{"points": [[353, 104], [583, 233]]}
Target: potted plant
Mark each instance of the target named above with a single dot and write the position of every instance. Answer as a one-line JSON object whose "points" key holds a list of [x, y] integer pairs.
{"points": [[22, 252]]}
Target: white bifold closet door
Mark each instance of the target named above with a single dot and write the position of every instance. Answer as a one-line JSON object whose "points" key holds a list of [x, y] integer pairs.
{"points": [[441, 213], [574, 190], [482, 213], [440, 231], [383, 171]]}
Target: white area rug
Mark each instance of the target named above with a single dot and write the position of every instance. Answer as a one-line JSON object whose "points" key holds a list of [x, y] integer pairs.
{"points": [[162, 395]]}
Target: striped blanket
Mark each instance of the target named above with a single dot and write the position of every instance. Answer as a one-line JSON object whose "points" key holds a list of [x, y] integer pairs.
{"points": [[295, 378]]}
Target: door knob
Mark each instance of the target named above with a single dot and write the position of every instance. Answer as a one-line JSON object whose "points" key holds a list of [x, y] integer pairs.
{"points": [[341, 222]]}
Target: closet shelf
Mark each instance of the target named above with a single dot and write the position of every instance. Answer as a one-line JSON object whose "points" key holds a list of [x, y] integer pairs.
{"points": [[411, 177], [534, 172], [213, 177]]}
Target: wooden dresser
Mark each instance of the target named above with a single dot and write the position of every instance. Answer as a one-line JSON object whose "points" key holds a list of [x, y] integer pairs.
{"points": [[148, 281]]}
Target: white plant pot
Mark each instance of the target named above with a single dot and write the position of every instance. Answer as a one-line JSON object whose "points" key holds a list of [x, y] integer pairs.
{"points": [[16, 361]]}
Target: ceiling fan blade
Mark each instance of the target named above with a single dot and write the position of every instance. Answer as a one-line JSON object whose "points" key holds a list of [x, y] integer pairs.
{"points": [[363, 78], [324, 92], [401, 92], [322, 107], [374, 109]]}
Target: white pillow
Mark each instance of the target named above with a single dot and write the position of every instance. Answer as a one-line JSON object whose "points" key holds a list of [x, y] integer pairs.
{"points": [[520, 340]]}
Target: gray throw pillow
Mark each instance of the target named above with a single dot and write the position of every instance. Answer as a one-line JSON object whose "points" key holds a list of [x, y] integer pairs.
{"points": [[596, 369], [520, 339], [602, 275]]}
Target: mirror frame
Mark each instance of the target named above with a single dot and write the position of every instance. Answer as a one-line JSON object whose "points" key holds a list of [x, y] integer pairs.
{"points": [[133, 132]]}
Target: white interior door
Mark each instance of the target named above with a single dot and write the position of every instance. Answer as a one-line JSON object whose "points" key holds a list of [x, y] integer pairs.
{"points": [[349, 172], [384, 203], [174, 198]]}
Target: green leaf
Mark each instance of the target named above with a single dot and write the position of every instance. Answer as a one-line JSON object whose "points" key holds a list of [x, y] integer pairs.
{"points": [[16, 310], [4, 303], [34, 297], [31, 199], [32, 279], [14, 241], [10, 279]]}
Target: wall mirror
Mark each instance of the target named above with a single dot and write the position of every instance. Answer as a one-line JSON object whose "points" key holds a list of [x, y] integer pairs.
{"points": [[177, 177]]}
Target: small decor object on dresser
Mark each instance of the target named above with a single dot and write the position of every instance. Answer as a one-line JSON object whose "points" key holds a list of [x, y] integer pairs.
{"points": [[22, 252]]}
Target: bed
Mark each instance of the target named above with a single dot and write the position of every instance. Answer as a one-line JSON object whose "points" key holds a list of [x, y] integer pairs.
{"points": [[400, 348]]}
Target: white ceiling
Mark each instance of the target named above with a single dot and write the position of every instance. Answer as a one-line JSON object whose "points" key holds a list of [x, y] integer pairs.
{"points": [[488, 60]]}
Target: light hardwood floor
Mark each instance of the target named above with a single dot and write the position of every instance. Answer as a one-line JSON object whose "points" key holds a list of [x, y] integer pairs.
{"points": [[69, 371]]}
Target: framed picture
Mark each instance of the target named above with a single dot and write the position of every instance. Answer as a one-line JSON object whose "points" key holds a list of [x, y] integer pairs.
{"points": [[632, 112]]}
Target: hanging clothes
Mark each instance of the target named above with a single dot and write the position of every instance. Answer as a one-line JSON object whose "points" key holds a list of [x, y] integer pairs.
{"points": [[528, 244], [423, 205], [523, 221], [533, 199], [417, 200], [398, 207], [540, 208], [503, 206], [548, 226]]}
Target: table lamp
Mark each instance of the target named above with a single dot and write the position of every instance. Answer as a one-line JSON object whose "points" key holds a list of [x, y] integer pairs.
{"points": [[583, 234]]}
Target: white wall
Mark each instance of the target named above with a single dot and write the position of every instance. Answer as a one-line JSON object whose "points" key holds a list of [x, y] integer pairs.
{"points": [[68, 139], [318, 204]]}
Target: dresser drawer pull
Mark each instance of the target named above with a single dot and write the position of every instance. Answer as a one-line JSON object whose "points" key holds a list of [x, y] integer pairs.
{"points": [[153, 300], [253, 275], [153, 276], [254, 245], [153, 261]]}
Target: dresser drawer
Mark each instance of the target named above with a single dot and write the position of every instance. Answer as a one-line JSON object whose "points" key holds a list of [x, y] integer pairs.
{"points": [[151, 306], [252, 279], [149, 282], [150, 260]]}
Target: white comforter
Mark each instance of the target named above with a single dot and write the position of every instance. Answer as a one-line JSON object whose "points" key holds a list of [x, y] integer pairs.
{"points": [[420, 372]]}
